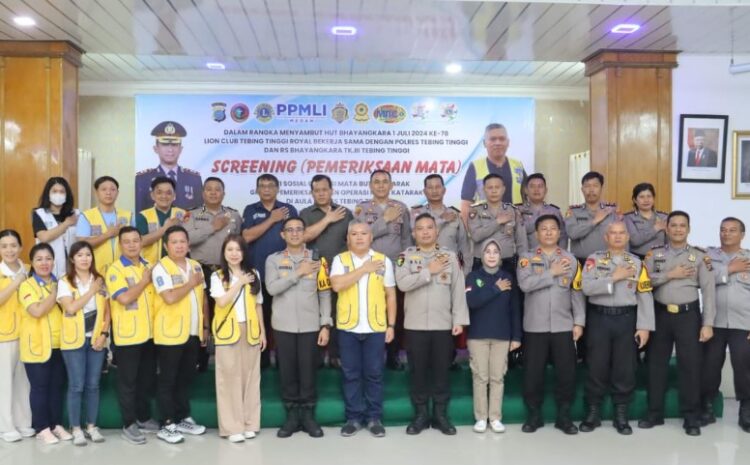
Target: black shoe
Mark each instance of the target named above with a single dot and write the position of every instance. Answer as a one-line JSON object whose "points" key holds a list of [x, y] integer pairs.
{"points": [[564, 423], [292, 423], [421, 420], [593, 419], [621, 420], [350, 428], [707, 416], [650, 421], [308, 423], [376, 428], [692, 430], [533, 420], [744, 416], [440, 420]]}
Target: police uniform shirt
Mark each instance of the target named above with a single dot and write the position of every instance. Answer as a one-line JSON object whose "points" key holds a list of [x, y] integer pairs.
{"points": [[452, 234], [188, 193], [163, 282], [530, 213], [89, 308], [483, 225], [271, 241], [586, 237], [732, 290], [599, 287], [387, 238], [643, 236], [551, 304], [205, 243], [661, 260], [218, 290], [300, 304], [332, 240], [389, 280], [431, 302]]}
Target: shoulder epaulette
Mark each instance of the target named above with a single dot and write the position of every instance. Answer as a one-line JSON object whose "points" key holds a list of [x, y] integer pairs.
{"points": [[699, 248], [578, 205], [610, 204], [479, 204], [414, 207], [189, 171], [510, 205], [146, 171], [553, 205], [230, 209], [657, 246], [454, 208]]}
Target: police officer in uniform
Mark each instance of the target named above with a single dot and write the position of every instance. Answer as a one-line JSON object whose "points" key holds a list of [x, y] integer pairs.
{"points": [[535, 206], [586, 223], [645, 224], [435, 305], [168, 147], [678, 270], [731, 264], [621, 311], [554, 318]]}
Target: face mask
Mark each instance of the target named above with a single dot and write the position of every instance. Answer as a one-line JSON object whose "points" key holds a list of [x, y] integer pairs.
{"points": [[57, 199]]}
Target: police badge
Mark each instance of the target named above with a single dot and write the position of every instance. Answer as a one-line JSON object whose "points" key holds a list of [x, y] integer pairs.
{"points": [[340, 113], [218, 111]]}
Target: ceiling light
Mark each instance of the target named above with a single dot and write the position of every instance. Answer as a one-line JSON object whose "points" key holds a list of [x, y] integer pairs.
{"points": [[24, 21], [216, 66], [625, 28], [453, 68], [344, 30]]}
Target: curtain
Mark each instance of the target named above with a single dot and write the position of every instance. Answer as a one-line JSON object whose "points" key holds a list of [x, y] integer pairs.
{"points": [[579, 164]]}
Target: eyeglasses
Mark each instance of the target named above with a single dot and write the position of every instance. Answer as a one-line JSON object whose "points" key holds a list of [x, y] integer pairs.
{"points": [[294, 230]]}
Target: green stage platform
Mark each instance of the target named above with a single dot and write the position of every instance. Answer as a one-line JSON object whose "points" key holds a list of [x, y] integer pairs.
{"points": [[397, 407]]}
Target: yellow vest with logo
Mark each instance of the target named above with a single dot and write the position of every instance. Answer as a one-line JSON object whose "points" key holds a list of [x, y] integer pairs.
{"points": [[10, 313], [172, 322], [73, 330], [152, 253], [347, 307], [226, 318], [131, 324], [107, 252], [38, 336], [482, 169]]}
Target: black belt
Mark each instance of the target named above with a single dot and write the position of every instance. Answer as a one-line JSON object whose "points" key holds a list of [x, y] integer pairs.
{"points": [[613, 311], [678, 308]]}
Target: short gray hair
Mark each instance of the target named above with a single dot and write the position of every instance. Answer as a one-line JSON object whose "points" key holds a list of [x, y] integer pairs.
{"points": [[356, 222]]}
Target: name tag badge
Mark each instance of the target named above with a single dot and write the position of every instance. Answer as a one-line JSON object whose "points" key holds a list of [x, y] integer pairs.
{"points": [[96, 230]]}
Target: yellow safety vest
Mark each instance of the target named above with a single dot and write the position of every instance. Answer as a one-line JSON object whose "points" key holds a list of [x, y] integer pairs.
{"points": [[226, 318], [38, 336], [172, 322], [10, 312], [347, 307], [73, 331], [131, 324], [152, 253], [107, 252], [482, 169]]}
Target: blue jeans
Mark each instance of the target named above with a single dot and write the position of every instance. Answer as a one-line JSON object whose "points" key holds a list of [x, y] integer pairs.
{"points": [[84, 367], [47, 380], [362, 366]]}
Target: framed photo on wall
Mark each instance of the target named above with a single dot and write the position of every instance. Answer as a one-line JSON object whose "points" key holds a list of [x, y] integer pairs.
{"points": [[703, 147], [741, 165]]}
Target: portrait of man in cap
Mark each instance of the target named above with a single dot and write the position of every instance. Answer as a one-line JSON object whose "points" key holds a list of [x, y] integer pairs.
{"points": [[168, 146]]}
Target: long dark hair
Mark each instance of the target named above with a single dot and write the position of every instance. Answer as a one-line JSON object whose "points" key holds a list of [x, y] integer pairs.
{"points": [[35, 250], [67, 208], [244, 264], [70, 267]]}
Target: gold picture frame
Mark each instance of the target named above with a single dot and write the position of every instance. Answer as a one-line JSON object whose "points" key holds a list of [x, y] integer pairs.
{"points": [[741, 165]]}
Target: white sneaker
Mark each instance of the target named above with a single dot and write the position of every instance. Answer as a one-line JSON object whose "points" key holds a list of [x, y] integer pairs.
{"points": [[189, 426], [239, 437], [250, 434], [169, 434], [27, 432], [11, 436], [497, 426], [47, 437], [79, 439], [93, 433], [480, 426], [61, 433]]}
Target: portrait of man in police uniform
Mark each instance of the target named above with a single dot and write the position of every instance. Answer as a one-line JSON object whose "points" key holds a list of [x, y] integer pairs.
{"points": [[168, 146]]}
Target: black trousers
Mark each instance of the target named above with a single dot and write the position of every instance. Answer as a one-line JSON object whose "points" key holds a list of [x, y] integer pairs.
{"points": [[394, 347], [297, 359], [611, 355], [682, 331], [136, 380], [430, 356], [714, 354], [203, 354], [333, 338], [177, 369], [541, 348], [265, 356]]}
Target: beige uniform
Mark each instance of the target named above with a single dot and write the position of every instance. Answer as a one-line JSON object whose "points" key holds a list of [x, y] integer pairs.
{"points": [[483, 225], [205, 243], [451, 231]]}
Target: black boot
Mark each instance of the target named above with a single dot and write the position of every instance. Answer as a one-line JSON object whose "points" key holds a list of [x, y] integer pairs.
{"points": [[292, 423], [593, 419], [564, 423], [621, 419], [307, 421], [440, 420], [652, 419], [707, 413], [421, 420], [533, 420], [744, 417]]}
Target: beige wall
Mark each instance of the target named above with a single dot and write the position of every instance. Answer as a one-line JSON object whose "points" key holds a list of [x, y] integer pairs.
{"points": [[107, 125]]}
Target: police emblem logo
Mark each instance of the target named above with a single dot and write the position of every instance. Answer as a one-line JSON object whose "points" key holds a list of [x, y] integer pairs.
{"points": [[361, 112], [264, 112], [169, 129], [239, 112], [218, 111], [340, 113]]}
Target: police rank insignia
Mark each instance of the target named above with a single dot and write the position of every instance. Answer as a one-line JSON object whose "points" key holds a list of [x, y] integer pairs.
{"points": [[524, 262], [340, 113]]}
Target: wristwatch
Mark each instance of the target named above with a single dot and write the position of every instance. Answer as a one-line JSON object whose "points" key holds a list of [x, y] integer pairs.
{"points": [[105, 333], [391, 325]]}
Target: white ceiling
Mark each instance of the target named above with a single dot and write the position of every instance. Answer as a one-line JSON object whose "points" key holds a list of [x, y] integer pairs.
{"points": [[400, 42]]}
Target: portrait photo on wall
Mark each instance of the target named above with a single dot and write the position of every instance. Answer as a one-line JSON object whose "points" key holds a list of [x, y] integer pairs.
{"points": [[741, 165], [702, 152]]}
